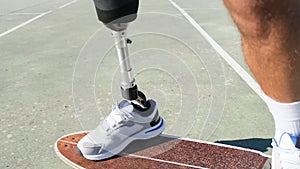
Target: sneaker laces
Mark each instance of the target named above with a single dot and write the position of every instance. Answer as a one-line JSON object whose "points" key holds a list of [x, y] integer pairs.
{"points": [[286, 152], [290, 160], [118, 116]]}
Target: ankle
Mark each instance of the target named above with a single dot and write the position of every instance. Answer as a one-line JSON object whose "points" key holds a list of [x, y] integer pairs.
{"points": [[286, 117]]}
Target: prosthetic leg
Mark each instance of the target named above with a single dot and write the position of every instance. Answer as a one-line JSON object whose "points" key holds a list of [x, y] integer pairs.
{"points": [[135, 117], [116, 15]]}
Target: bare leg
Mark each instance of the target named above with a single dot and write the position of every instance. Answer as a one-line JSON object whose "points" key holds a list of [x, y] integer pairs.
{"points": [[270, 31]]}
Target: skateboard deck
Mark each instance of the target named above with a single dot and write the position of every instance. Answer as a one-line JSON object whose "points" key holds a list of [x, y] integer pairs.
{"points": [[165, 152]]}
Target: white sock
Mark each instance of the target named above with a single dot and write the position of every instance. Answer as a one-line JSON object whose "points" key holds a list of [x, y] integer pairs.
{"points": [[286, 116]]}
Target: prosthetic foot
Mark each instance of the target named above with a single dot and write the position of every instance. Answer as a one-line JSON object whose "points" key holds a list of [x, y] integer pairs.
{"points": [[136, 117]]}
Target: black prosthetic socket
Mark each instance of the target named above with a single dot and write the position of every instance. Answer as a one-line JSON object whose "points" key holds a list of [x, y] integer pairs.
{"points": [[116, 11]]}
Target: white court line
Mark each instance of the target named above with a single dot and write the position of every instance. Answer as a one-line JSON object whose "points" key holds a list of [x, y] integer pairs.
{"points": [[238, 69], [162, 161], [216, 144], [24, 24], [65, 141], [33, 19], [26, 13], [67, 4]]}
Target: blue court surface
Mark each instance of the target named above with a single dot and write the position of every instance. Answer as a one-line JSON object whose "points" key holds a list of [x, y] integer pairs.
{"points": [[59, 74]]}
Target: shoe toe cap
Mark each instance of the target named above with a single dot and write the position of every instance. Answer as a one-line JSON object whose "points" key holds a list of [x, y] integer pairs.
{"points": [[88, 147]]}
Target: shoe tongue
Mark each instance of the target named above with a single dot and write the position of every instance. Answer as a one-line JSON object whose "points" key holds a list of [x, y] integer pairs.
{"points": [[125, 106]]}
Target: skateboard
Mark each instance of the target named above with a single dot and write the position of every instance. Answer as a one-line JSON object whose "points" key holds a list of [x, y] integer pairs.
{"points": [[165, 151]]}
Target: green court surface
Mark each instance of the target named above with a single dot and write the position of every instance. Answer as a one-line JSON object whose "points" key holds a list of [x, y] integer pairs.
{"points": [[59, 74]]}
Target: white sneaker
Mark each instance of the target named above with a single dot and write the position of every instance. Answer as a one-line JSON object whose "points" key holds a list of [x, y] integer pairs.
{"points": [[124, 125], [286, 152]]}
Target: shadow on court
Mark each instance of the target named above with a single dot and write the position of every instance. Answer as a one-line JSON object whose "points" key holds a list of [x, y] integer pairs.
{"points": [[259, 144]]}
